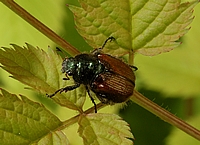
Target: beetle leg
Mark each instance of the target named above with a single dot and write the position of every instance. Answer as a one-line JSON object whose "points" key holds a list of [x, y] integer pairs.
{"points": [[96, 51], [68, 88], [92, 99], [50, 96], [111, 38], [134, 67]]}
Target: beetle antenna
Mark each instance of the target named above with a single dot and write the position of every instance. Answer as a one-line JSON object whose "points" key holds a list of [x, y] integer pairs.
{"points": [[60, 52], [111, 38]]}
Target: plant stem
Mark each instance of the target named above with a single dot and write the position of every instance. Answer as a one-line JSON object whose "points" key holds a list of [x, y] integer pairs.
{"points": [[75, 118], [40, 26], [139, 99]]}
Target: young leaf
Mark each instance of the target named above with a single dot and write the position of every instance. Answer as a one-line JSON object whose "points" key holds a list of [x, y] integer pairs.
{"points": [[104, 129], [24, 122], [54, 138], [147, 26], [41, 71], [176, 73]]}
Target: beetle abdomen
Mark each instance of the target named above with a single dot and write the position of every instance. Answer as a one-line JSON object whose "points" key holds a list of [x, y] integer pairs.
{"points": [[112, 88]]}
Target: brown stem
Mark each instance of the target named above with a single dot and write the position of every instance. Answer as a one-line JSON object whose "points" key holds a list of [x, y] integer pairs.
{"points": [[40, 26], [165, 115]]}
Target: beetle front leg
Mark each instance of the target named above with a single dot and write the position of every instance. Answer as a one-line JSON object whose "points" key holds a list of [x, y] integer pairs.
{"points": [[68, 88]]}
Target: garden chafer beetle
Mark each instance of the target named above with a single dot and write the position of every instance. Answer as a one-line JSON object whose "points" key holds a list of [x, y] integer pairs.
{"points": [[111, 79]]}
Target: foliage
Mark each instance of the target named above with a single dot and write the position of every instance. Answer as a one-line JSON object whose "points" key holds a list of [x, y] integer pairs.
{"points": [[147, 27]]}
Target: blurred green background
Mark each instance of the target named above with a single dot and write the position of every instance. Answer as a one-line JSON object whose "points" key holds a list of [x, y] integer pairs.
{"points": [[172, 79]]}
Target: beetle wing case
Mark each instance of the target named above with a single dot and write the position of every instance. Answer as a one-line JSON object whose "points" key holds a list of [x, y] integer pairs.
{"points": [[117, 66], [112, 88]]}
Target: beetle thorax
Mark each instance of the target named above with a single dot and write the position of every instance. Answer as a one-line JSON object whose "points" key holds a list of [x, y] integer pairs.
{"points": [[84, 68]]}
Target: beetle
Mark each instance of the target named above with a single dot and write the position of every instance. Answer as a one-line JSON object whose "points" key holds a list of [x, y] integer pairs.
{"points": [[111, 79]]}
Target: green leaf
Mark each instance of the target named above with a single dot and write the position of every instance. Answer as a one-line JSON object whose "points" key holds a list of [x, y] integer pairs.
{"points": [[41, 71], [159, 25], [54, 138], [147, 26], [105, 129], [20, 31], [23, 122], [175, 73]]}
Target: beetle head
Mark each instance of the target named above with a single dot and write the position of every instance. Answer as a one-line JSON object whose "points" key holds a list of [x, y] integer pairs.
{"points": [[69, 66]]}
